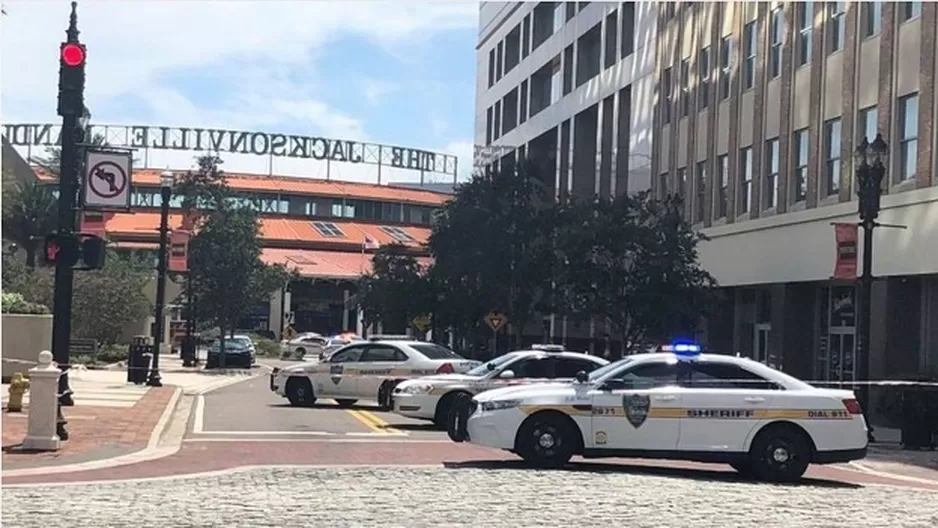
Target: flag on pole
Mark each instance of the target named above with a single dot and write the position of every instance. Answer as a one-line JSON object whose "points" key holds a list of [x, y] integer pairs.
{"points": [[367, 243]]}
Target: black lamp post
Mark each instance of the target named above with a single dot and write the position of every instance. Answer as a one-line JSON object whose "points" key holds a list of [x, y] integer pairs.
{"points": [[166, 193], [870, 170]]}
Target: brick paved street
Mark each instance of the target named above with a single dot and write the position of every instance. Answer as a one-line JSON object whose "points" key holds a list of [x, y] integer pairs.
{"points": [[467, 496], [93, 431]]}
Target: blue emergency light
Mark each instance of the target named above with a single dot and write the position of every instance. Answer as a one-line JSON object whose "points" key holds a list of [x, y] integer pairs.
{"points": [[683, 349]]}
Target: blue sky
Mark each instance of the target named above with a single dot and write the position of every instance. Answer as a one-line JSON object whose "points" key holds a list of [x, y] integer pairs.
{"points": [[388, 72]]}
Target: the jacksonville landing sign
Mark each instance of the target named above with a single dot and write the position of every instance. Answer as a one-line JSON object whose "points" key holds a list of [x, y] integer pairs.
{"points": [[237, 142]]}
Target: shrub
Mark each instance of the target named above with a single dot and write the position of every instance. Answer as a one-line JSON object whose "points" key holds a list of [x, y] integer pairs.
{"points": [[112, 354], [267, 347], [15, 303]]}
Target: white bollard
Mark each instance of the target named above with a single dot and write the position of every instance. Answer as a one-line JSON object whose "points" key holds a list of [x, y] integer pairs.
{"points": [[43, 405]]}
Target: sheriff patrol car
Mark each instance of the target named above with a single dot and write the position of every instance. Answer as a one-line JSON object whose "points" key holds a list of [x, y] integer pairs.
{"points": [[366, 370], [431, 397], [678, 405]]}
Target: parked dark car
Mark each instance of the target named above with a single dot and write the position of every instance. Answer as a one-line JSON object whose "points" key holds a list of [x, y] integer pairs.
{"points": [[238, 353]]}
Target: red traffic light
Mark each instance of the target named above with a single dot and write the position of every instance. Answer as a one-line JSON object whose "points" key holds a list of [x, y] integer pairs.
{"points": [[73, 55]]}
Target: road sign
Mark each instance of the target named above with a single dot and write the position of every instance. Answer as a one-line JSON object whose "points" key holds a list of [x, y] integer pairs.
{"points": [[107, 179], [496, 321], [421, 322], [289, 318]]}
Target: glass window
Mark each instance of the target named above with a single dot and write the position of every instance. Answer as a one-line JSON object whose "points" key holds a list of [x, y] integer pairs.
{"points": [[702, 375], [701, 191], [650, 376], [568, 367], [685, 87], [532, 367], [770, 191], [726, 61], [775, 50], [910, 10], [836, 26], [872, 18], [908, 137], [559, 17], [348, 355], [867, 124], [832, 144], [703, 76], [723, 169], [800, 155], [491, 366], [328, 229], [397, 234], [556, 83], [681, 181], [750, 36], [435, 351], [805, 14], [744, 196], [663, 187], [492, 67], [383, 353], [666, 96]]}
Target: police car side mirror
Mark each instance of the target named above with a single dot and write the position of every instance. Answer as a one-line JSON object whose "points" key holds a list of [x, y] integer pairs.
{"points": [[508, 374], [582, 376], [490, 366]]}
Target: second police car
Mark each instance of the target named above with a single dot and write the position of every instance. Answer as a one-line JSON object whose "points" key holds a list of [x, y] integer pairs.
{"points": [[682, 405], [366, 370], [431, 397]]}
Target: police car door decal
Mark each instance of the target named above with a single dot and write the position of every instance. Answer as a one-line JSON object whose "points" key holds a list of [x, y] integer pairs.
{"points": [[636, 408]]}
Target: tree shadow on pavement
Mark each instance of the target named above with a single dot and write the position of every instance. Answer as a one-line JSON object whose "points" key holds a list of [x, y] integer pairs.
{"points": [[647, 470]]}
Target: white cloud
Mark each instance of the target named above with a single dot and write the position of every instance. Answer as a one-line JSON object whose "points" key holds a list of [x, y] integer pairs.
{"points": [[376, 89], [136, 47]]}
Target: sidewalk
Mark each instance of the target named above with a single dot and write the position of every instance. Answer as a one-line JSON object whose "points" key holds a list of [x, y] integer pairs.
{"points": [[111, 418]]}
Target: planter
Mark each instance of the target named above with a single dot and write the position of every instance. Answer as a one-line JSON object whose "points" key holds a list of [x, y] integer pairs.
{"points": [[24, 337]]}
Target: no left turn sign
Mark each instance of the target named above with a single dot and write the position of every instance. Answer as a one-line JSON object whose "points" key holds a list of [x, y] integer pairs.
{"points": [[107, 180]]}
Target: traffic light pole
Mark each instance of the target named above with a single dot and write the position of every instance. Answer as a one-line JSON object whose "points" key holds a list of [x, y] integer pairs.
{"points": [[64, 274]]}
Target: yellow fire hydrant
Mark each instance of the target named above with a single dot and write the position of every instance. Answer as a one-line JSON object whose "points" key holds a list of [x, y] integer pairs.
{"points": [[18, 387]]}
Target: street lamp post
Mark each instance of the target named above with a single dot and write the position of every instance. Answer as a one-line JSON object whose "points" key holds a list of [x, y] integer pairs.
{"points": [[870, 170], [166, 192]]}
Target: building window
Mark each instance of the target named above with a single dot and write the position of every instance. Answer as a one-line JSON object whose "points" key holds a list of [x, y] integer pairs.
{"points": [[770, 191], [871, 14], [681, 182], [700, 191], [499, 54], [908, 137], [559, 16], [749, 55], [663, 185], [805, 14], [775, 49], [397, 234], [703, 74], [723, 169], [910, 10], [666, 96], [526, 37], [836, 26], [612, 35], [685, 88], [726, 62], [627, 42], [867, 124], [488, 126], [497, 121], [328, 229], [800, 163], [492, 68], [744, 196], [556, 82], [832, 139], [523, 103]]}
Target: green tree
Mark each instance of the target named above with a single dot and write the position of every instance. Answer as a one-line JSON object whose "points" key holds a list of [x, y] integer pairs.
{"points": [[104, 302], [29, 214], [492, 248], [633, 261], [228, 275], [396, 290]]}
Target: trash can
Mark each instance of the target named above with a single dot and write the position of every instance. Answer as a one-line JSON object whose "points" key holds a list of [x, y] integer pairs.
{"points": [[918, 416], [138, 359], [188, 351]]}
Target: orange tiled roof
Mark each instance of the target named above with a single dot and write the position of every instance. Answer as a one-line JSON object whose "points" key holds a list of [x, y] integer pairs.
{"points": [[325, 264], [296, 230], [300, 185]]}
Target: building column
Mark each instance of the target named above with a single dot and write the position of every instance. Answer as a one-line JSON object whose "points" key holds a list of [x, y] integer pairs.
{"points": [[359, 322], [345, 298], [276, 313]]}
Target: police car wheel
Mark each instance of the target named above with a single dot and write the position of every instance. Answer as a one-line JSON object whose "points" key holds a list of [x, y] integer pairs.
{"points": [[780, 454], [385, 396], [546, 441], [444, 407], [456, 424], [300, 392]]}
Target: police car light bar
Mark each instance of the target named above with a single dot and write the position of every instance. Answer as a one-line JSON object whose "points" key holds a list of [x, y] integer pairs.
{"points": [[548, 348], [682, 349], [390, 338]]}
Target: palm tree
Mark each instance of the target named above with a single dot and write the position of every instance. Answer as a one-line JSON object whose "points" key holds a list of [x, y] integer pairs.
{"points": [[29, 214]]}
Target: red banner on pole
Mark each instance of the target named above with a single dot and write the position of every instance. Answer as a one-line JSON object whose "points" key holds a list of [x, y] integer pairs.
{"points": [[845, 267], [179, 251]]}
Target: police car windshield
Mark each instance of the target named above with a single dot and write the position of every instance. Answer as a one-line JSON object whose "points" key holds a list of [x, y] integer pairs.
{"points": [[602, 372], [484, 368]]}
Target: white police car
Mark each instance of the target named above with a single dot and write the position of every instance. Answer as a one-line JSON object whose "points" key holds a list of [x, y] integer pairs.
{"points": [[431, 397], [677, 405], [366, 370]]}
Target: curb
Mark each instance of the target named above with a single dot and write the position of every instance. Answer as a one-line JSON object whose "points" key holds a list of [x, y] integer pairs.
{"points": [[863, 468]]}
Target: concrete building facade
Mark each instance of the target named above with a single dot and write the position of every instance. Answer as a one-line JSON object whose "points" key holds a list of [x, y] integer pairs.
{"points": [[759, 108], [569, 84]]}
